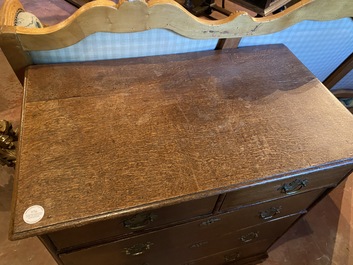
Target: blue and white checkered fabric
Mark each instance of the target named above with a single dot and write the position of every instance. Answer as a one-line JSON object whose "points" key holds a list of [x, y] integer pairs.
{"points": [[320, 45], [345, 83], [104, 46]]}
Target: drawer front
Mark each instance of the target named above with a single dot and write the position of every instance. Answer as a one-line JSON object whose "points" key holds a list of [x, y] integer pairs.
{"points": [[221, 238], [286, 187], [176, 245], [263, 212], [128, 225], [234, 255]]}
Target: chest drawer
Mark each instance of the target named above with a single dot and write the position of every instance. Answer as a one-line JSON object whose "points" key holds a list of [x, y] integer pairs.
{"points": [[176, 245], [263, 212], [234, 256], [128, 225], [285, 187]]}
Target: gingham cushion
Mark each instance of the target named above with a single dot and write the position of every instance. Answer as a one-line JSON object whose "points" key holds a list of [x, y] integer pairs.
{"points": [[104, 46], [320, 45]]}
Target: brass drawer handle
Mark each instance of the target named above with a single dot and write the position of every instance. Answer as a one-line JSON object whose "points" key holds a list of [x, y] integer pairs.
{"points": [[138, 249], [270, 213], [293, 186], [249, 237], [199, 244], [140, 221], [210, 221], [232, 257]]}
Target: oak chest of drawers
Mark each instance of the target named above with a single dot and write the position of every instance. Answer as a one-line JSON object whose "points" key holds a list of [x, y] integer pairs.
{"points": [[200, 158]]}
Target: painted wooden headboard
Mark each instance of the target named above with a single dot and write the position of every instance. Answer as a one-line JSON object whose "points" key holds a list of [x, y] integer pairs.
{"points": [[163, 20]]}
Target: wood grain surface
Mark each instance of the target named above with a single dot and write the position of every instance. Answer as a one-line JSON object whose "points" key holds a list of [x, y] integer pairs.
{"points": [[103, 139]]}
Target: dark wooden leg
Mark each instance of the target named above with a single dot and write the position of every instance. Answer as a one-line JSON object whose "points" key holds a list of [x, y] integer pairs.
{"points": [[228, 43], [339, 73]]}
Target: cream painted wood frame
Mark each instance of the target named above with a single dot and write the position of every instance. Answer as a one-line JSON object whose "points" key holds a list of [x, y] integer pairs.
{"points": [[135, 16]]}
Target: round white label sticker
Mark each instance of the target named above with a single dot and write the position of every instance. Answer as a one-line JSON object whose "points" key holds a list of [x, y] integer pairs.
{"points": [[33, 214]]}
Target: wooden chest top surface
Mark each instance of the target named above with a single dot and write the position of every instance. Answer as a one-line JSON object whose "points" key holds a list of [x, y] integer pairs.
{"points": [[100, 139]]}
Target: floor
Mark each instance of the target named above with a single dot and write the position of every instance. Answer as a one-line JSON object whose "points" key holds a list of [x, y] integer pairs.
{"points": [[322, 237]]}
